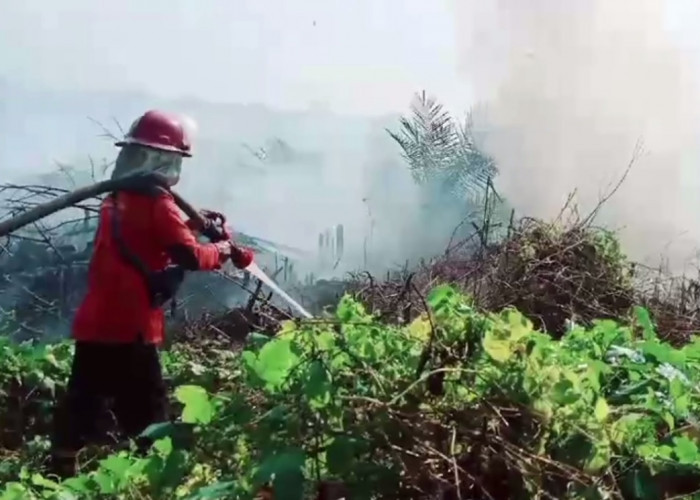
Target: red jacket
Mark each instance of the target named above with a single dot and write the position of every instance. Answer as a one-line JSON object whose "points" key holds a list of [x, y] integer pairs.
{"points": [[117, 306]]}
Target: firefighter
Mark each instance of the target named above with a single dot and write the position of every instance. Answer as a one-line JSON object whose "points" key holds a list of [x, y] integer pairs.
{"points": [[141, 249]]}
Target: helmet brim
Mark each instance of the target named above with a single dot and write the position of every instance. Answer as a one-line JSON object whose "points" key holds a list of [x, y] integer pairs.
{"points": [[152, 145]]}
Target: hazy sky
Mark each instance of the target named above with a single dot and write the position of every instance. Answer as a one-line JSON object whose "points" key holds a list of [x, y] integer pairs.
{"points": [[357, 56]]}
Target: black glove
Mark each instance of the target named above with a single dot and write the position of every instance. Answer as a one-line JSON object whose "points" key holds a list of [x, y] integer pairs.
{"points": [[215, 226]]}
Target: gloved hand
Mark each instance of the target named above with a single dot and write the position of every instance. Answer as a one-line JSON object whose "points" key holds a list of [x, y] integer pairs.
{"points": [[215, 226], [213, 216], [225, 249], [240, 256]]}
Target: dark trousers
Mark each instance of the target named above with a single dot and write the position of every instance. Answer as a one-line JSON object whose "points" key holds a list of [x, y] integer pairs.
{"points": [[129, 375]]}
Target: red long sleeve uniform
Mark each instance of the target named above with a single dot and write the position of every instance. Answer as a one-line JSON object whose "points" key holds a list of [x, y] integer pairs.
{"points": [[117, 306]]}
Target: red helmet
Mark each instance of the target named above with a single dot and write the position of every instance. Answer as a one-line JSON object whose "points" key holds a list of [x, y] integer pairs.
{"points": [[158, 130]]}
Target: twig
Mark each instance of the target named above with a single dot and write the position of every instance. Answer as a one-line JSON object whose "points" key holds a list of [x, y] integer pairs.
{"points": [[635, 156]]}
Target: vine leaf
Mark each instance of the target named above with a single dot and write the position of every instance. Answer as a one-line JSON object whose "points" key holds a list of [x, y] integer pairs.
{"points": [[198, 408]]}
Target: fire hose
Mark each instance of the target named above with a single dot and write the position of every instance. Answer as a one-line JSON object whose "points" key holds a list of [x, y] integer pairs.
{"points": [[131, 182], [136, 181]]}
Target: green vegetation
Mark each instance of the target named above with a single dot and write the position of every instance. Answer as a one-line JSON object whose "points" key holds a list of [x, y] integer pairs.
{"points": [[456, 399], [529, 373]]}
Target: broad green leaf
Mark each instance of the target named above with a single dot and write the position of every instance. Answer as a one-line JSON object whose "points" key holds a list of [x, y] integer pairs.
{"points": [[180, 433], [563, 392], [117, 465], [249, 359], [274, 362], [665, 452], [173, 471], [80, 484], [681, 405], [325, 340], [663, 353], [519, 325], [198, 408], [610, 330], [318, 385], [644, 319], [498, 349], [600, 457], [164, 446], [286, 470], [216, 491], [65, 495], [104, 481], [39, 480], [602, 410], [440, 297], [351, 311], [15, 491], [669, 419], [420, 328], [596, 369], [692, 350], [686, 450], [544, 407], [677, 388], [152, 469]]}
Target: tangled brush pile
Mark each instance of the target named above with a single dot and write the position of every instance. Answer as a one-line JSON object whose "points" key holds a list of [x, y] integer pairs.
{"points": [[556, 275]]}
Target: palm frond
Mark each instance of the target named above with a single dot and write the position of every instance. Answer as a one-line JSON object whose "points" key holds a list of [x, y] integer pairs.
{"points": [[439, 149]]}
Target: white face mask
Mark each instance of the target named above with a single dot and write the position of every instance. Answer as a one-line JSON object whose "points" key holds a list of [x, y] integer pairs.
{"points": [[135, 159]]}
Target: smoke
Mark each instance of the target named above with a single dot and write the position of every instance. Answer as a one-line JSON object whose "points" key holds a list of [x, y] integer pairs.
{"points": [[190, 125], [569, 88]]}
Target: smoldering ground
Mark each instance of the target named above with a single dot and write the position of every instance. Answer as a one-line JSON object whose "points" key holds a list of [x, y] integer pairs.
{"points": [[566, 91]]}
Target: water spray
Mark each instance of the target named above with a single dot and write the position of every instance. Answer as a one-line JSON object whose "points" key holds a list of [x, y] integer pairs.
{"points": [[255, 270]]}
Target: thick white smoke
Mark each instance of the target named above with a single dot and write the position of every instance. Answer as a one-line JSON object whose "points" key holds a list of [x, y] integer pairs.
{"points": [[570, 87]]}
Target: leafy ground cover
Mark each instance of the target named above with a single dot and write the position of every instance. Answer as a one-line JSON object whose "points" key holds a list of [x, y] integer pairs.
{"points": [[458, 403]]}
